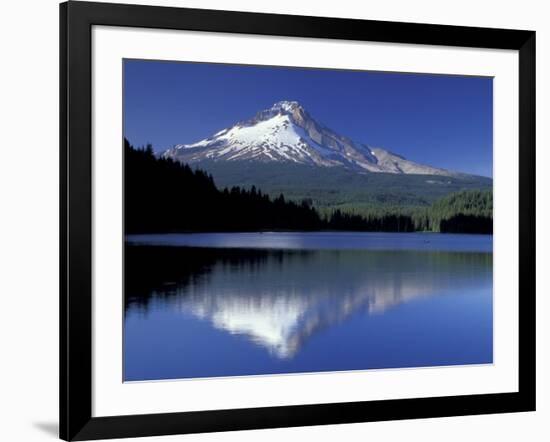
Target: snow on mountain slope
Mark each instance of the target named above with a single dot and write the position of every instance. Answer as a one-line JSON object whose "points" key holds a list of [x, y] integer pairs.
{"points": [[274, 139], [287, 133]]}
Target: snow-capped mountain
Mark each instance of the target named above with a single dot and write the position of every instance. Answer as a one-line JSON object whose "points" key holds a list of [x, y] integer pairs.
{"points": [[287, 133]]}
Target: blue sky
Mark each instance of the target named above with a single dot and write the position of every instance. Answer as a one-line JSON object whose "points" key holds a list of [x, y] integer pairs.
{"points": [[443, 121]]}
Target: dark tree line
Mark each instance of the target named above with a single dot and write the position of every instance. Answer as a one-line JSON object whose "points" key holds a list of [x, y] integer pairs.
{"points": [[384, 222], [162, 195], [467, 224]]}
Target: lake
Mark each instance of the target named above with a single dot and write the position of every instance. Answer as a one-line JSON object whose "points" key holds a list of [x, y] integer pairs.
{"points": [[233, 304]]}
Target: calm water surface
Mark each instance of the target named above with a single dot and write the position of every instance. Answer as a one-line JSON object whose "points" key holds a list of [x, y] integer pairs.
{"points": [[228, 304]]}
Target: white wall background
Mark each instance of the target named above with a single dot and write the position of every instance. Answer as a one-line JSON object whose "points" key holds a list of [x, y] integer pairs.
{"points": [[29, 218]]}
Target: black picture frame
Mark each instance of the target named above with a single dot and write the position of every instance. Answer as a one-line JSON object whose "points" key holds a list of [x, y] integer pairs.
{"points": [[76, 21]]}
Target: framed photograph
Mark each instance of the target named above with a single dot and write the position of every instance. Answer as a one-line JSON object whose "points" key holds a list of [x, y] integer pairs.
{"points": [[274, 220]]}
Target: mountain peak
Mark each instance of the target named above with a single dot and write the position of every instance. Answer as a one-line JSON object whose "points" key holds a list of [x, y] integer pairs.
{"points": [[287, 106], [292, 109], [286, 133]]}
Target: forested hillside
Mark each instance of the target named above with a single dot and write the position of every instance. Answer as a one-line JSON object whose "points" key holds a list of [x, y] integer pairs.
{"points": [[332, 188], [162, 195], [467, 212]]}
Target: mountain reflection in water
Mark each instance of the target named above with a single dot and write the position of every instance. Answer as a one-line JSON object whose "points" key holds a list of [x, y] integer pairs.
{"points": [[279, 299]]}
